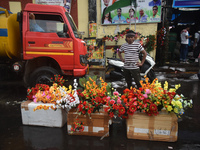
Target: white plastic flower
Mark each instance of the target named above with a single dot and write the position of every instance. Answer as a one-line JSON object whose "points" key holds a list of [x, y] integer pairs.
{"points": [[191, 101]]}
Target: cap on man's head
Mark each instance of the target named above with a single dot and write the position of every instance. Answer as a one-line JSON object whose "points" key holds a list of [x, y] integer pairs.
{"points": [[130, 33]]}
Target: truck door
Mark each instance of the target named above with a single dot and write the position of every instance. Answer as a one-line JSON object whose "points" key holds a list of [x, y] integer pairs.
{"points": [[45, 38]]}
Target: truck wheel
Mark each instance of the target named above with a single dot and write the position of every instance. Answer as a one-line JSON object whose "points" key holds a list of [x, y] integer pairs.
{"points": [[42, 75]]}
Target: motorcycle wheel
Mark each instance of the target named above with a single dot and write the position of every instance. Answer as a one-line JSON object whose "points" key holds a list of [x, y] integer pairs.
{"points": [[151, 75]]}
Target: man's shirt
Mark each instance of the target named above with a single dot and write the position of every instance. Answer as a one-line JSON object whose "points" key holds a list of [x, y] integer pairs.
{"points": [[157, 3], [131, 54]]}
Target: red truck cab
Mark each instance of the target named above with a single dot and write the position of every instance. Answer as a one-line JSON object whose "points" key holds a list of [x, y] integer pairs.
{"points": [[50, 44]]}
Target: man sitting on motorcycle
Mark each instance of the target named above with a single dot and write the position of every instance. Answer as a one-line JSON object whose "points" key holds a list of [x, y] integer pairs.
{"points": [[131, 51]]}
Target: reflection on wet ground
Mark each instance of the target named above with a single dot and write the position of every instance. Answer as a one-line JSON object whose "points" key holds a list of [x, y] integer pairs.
{"points": [[15, 136]]}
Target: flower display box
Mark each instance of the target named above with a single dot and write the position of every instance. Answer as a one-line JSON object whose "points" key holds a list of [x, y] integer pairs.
{"points": [[95, 125], [48, 118], [163, 127]]}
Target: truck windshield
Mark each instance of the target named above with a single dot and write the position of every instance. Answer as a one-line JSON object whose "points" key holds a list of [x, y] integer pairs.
{"points": [[73, 25]]}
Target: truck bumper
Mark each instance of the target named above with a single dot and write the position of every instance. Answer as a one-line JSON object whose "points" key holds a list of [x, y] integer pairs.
{"points": [[80, 72]]}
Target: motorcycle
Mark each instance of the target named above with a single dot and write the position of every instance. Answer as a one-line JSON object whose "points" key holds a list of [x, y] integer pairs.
{"points": [[116, 67]]}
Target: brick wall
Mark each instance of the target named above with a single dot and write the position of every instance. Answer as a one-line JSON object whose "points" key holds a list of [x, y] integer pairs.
{"points": [[5, 4]]}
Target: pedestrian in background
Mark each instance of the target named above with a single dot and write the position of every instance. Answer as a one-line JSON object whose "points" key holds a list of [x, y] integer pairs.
{"points": [[131, 51], [196, 45], [184, 44]]}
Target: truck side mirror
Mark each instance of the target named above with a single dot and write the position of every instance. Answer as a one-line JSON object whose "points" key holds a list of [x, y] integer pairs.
{"points": [[65, 28]]}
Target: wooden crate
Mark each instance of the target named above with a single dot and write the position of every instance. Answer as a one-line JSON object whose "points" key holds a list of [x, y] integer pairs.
{"points": [[163, 127], [95, 125]]}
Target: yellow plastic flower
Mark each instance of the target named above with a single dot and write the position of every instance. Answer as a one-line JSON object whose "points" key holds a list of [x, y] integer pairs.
{"points": [[166, 85], [175, 110], [177, 86], [172, 90], [179, 104], [169, 108]]}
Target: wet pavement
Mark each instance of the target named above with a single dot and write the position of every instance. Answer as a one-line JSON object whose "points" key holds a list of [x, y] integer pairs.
{"points": [[15, 136]]}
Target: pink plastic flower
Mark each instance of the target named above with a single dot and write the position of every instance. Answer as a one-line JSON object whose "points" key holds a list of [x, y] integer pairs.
{"points": [[112, 102], [119, 101], [108, 98], [116, 93], [135, 103], [145, 95], [48, 97], [35, 99], [43, 94], [148, 91]]}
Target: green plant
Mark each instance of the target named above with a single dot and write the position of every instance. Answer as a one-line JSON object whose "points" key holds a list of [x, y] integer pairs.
{"points": [[150, 43]]}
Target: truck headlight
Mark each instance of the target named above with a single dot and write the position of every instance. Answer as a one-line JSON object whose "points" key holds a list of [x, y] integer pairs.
{"points": [[83, 60]]}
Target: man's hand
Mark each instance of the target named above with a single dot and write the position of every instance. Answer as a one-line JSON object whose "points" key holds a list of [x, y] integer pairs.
{"points": [[143, 58], [120, 56], [139, 64]]}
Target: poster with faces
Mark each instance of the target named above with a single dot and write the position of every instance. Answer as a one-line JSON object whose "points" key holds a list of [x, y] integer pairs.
{"points": [[147, 11]]}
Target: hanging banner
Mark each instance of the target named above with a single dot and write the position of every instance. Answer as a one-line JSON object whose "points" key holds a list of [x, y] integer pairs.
{"points": [[186, 3], [147, 11], [65, 3]]}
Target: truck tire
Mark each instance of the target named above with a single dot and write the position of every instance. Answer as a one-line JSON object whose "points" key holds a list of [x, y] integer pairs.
{"points": [[42, 75]]}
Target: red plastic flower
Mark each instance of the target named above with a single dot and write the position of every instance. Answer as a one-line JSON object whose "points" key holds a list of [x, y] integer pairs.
{"points": [[132, 108], [153, 107], [121, 110]]}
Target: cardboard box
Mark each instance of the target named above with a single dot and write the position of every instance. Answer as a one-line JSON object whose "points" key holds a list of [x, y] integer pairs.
{"points": [[48, 118], [95, 125], [163, 127]]}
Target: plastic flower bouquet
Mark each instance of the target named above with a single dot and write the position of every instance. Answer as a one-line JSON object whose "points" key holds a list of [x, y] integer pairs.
{"points": [[59, 96], [43, 87], [58, 79], [77, 126], [93, 96], [152, 97], [114, 106], [32, 91]]}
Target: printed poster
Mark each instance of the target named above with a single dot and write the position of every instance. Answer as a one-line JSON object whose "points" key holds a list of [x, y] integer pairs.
{"points": [[92, 30], [147, 11]]}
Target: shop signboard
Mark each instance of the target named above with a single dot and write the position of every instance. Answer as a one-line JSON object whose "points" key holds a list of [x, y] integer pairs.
{"points": [[65, 3], [186, 3], [147, 11]]}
